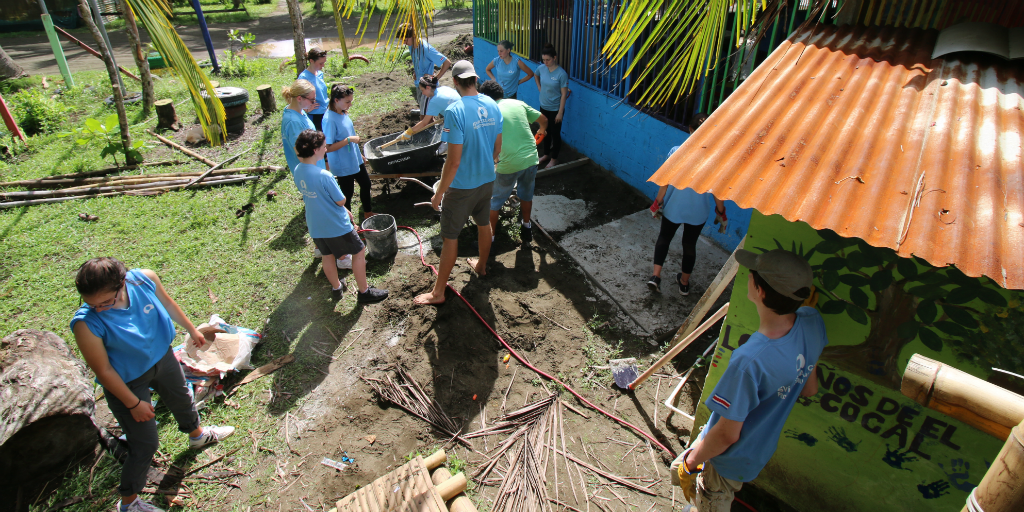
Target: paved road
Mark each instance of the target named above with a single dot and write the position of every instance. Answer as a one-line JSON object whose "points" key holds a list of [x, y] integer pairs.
{"points": [[34, 54]]}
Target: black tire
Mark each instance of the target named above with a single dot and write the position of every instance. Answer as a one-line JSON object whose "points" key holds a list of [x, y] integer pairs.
{"points": [[235, 125], [237, 111], [231, 96]]}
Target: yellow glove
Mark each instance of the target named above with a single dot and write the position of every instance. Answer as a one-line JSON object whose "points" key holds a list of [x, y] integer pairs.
{"points": [[406, 135], [688, 479]]}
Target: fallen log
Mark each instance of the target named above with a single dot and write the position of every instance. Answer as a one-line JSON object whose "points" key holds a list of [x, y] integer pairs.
{"points": [[183, 149], [32, 202], [77, 176], [46, 412]]}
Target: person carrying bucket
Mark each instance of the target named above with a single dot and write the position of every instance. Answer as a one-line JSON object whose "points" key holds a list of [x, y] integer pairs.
{"points": [[331, 225], [472, 129]]}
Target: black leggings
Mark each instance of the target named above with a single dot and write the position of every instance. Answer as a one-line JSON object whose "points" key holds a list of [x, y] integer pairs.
{"points": [[348, 187], [552, 143], [318, 121], [691, 234]]}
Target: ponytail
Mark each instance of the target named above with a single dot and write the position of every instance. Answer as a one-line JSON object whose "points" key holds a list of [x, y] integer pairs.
{"points": [[300, 87]]}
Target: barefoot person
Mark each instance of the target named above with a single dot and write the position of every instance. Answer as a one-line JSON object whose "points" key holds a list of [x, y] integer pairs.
{"points": [[330, 224], [517, 164], [472, 129], [124, 330], [755, 395], [684, 208], [553, 84]]}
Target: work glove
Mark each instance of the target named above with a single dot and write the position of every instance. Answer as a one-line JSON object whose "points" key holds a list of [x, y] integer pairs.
{"points": [[722, 220], [657, 209], [688, 478], [405, 136], [539, 136]]}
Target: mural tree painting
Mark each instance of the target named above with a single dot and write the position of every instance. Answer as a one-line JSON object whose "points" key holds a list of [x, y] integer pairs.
{"points": [[900, 300]]}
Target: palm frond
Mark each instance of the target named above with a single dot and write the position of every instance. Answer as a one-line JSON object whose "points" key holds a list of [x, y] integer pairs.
{"points": [[685, 37], [153, 15], [417, 13]]}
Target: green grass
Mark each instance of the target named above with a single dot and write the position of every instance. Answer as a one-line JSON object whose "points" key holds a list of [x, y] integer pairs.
{"points": [[259, 267]]}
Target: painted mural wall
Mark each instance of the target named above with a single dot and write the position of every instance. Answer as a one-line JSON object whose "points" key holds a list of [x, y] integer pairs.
{"points": [[617, 137], [859, 444]]}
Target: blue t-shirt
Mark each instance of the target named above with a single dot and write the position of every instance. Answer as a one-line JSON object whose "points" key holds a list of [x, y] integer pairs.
{"points": [[507, 75], [760, 386], [443, 96], [344, 161], [292, 124], [551, 83], [320, 192], [475, 122], [321, 89], [424, 58], [686, 206], [135, 337]]}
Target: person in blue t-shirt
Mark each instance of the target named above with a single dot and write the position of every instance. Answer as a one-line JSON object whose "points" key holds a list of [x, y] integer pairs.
{"points": [[440, 98], [687, 208], [506, 67], [750, 404], [472, 129], [124, 330], [331, 226], [553, 84], [346, 161], [300, 96], [424, 58], [314, 74]]}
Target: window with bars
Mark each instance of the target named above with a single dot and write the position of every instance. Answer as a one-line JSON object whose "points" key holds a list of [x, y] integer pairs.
{"points": [[551, 22], [485, 20], [515, 25], [592, 22]]}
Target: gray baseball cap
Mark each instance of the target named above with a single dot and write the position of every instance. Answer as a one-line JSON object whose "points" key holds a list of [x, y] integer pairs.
{"points": [[464, 69], [784, 271]]}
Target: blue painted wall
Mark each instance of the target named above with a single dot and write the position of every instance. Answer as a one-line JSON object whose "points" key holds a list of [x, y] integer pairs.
{"points": [[615, 136]]}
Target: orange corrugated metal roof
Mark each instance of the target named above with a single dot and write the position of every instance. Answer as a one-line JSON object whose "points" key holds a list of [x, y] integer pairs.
{"points": [[858, 130]]}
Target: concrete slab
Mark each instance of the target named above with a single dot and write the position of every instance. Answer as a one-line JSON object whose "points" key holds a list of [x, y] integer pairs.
{"points": [[619, 255], [558, 213]]}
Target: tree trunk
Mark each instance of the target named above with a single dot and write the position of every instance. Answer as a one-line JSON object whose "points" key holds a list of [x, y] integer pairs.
{"points": [[46, 414], [881, 349], [9, 68], [166, 116], [141, 60], [122, 116], [295, 11], [267, 101], [318, 5]]}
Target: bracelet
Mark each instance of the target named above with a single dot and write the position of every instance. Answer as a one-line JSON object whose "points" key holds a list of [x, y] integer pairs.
{"points": [[136, 405]]}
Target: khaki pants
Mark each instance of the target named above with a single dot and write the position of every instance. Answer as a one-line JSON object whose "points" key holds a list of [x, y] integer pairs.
{"points": [[715, 492]]}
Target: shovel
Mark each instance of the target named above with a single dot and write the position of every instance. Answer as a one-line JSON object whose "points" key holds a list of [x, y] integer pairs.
{"points": [[625, 371], [377, 150]]}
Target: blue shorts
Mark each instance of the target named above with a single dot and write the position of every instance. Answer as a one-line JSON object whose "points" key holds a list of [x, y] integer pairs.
{"points": [[522, 181]]}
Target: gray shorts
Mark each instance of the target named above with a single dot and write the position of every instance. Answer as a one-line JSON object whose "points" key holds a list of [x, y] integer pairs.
{"points": [[349, 243], [460, 204]]}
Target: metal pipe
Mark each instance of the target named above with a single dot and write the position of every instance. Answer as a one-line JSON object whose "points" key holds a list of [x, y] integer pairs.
{"points": [[58, 51], [206, 34]]}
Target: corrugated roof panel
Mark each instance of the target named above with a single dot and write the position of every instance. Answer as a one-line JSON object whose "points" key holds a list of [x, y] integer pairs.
{"points": [[858, 130]]}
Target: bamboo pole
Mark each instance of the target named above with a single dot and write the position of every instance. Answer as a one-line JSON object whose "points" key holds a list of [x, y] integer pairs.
{"points": [[31, 202], [78, 177], [982, 405], [185, 150], [1002, 489], [103, 189], [48, 183]]}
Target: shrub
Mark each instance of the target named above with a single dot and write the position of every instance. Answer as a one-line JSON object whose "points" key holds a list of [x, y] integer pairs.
{"points": [[36, 112]]}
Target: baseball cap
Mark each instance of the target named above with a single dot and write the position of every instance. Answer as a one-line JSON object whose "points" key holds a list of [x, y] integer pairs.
{"points": [[784, 271], [464, 69]]}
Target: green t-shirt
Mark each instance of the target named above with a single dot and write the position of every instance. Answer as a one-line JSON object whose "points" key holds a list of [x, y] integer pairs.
{"points": [[518, 151]]}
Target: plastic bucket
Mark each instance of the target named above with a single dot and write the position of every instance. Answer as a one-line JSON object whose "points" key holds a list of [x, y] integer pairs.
{"points": [[382, 237]]}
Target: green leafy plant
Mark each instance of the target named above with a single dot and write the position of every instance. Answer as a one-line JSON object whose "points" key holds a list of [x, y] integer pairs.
{"points": [[108, 132], [900, 300], [36, 112], [236, 64]]}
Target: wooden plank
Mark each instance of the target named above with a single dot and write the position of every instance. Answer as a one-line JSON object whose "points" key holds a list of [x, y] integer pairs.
{"points": [[550, 171], [711, 294]]}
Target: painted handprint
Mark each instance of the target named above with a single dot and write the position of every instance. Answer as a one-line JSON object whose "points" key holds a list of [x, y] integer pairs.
{"points": [[934, 489], [839, 436], [896, 458], [958, 474], [803, 437]]}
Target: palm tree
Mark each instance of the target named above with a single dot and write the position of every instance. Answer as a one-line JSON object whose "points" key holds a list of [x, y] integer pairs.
{"points": [[685, 37]]}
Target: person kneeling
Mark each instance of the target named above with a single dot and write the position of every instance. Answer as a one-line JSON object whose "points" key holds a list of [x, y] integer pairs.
{"points": [[331, 225]]}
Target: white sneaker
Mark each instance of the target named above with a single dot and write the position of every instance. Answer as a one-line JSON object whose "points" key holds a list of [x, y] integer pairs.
{"points": [[316, 253], [138, 506], [210, 435], [345, 263]]}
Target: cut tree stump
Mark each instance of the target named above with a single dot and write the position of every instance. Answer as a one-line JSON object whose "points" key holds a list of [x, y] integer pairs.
{"points": [[46, 414], [167, 118], [267, 102]]}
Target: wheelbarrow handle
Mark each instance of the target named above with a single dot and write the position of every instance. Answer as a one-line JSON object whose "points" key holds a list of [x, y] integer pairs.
{"points": [[418, 182]]}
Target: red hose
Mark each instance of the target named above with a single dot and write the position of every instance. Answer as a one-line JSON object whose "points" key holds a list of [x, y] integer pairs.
{"points": [[530, 366]]}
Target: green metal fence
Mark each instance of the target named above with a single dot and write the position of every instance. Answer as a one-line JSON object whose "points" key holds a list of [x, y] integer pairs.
{"points": [[485, 20]]}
